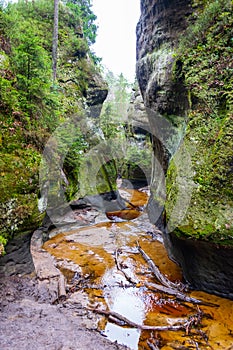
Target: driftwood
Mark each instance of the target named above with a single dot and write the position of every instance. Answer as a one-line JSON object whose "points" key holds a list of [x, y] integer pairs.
{"points": [[169, 287], [130, 203], [152, 346], [158, 274], [153, 286], [179, 295], [186, 325], [196, 345], [119, 267]]}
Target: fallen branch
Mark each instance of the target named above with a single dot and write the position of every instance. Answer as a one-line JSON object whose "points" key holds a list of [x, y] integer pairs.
{"points": [[196, 345], [179, 295], [118, 265], [130, 203], [114, 315], [158, 274], [152, 346]]}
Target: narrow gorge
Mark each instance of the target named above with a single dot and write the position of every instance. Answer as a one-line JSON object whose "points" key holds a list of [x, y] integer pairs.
{"points": [[116, 213]]}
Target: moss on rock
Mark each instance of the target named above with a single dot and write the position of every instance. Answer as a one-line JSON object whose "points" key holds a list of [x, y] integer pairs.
{"points": [[32, 106], [207, 68]]}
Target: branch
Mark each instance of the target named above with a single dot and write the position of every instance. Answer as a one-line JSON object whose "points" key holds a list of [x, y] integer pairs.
{"points": [[169, 287], [118, 265], [152, 346], [179, 295], [159, 275], [115, 315]]}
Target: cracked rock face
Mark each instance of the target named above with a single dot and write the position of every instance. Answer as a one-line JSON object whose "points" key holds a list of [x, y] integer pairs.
{"points": [[160, 25]]}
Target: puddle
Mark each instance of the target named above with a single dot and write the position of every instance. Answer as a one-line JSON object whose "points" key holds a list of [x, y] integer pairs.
{"points": [[90, 256]]}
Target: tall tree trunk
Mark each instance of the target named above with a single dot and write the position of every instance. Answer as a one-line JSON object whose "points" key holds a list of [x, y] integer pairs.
{"points": [[55, 40]]}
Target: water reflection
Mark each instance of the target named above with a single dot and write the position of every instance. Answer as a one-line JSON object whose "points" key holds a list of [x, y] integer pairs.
{"points": [[127, 302], [89, 254]]}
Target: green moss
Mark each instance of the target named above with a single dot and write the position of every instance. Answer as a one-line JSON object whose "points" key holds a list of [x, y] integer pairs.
{"points": [[207, 73], [207, 233], [32, 106]]}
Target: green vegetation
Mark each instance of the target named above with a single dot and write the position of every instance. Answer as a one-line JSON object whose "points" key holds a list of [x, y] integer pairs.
{"points": [[205, 54], [116, 127], [34, 106], [31, 106], [114, 112]]}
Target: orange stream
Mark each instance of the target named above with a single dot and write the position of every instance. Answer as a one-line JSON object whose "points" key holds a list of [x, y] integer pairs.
{"points": [[91, 251]]}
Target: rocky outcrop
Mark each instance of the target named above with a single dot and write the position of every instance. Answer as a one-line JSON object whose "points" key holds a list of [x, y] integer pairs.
{"points": [[181, 46], [137, 115], [18, 258], [205, 265], [96, 94], [160, 25], [158, 30]]}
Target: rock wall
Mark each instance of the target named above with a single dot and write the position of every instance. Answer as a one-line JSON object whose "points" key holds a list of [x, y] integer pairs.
{"points": [[183, 66], [160, 25]]}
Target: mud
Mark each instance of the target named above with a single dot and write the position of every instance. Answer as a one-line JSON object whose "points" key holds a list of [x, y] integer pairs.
{"points": [[27, 322]]}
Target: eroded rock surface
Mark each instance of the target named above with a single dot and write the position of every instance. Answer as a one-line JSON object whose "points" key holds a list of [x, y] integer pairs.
{"points": [[191, 124], [166, 101]]}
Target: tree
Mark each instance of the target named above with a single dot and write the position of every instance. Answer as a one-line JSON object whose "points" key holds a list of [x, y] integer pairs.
{"points": [[55, 39], [115, 107], [82, 8], [31, 64]]}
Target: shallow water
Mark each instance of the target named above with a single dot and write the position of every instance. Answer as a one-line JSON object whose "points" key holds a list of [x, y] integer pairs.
{"points": [[87, 257]]}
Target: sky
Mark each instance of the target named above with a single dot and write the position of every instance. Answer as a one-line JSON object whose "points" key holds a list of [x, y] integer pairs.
{"points": [[116, 38]]}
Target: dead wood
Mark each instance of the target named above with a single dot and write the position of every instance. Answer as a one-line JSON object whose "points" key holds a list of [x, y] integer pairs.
{"points": [[130, 203], [119, 267], [186, 325], [152, 346], [179, 295], [167, 286], [158, 274]]}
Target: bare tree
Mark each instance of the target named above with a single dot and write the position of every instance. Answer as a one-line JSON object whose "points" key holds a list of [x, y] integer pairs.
{"points": [[55, 39]]}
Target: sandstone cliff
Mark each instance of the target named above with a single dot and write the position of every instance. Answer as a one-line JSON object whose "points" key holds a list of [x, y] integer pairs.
{"points": [[158, 31], [184, 69]]}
